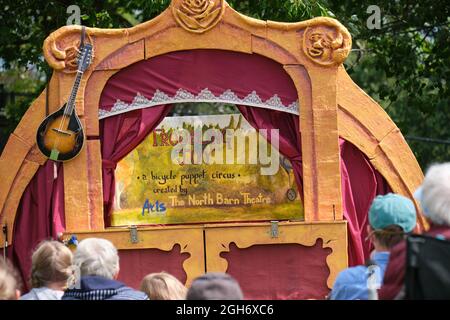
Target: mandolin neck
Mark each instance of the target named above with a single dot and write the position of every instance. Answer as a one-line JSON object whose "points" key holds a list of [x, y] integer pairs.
{"points": [[71, 103]]}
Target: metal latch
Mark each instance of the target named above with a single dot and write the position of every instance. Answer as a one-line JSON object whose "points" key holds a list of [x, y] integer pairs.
{"points": [[134, 234], [274, 229]]}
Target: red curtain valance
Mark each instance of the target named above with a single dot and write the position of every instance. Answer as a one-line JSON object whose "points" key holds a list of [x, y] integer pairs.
{"points": [[202, 76]]}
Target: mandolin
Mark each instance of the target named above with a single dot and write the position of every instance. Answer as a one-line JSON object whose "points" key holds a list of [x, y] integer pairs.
{"points": [[60, 137]]}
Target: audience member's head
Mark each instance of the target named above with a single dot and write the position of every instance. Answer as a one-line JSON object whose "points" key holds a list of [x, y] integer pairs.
{"points": [[97, 261], [9, 285], [51, 265], [390, 217], [215, 286], [434, 194], [97, 257], [163, 286]]}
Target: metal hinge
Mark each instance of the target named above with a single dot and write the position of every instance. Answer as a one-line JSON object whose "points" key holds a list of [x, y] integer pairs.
{"points": [[134, 234], [274, 229]]}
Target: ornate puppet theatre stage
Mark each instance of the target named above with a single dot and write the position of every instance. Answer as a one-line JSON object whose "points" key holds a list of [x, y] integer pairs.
{"points": [[337, 149]]}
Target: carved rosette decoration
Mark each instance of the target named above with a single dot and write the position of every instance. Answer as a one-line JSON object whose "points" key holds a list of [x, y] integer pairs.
{"points": [[61, 48], [326, 45], [198, 15]]}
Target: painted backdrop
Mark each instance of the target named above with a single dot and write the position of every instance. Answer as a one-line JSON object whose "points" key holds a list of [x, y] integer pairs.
{"points": [[205, 169]]}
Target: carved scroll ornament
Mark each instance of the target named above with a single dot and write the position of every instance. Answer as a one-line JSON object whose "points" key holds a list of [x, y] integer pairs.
{"points": [[61, 48], [326, 45]]}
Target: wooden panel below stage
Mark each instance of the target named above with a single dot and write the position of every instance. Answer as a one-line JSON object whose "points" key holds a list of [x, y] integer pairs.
{"points": [[286, 260], [280, 271]]}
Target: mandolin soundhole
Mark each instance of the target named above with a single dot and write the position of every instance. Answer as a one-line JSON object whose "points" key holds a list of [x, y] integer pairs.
{"points": [[59, 137]]}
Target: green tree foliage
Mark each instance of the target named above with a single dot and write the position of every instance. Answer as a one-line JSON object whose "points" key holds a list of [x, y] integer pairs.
{"points": [[404, 65]]}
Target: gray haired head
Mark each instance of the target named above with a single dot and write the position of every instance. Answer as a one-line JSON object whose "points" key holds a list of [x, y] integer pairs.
{"points": [[97, 257], [434, 194]]}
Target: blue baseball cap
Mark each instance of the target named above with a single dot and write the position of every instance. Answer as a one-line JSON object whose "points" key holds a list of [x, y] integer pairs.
{"points": [[392, 209]]}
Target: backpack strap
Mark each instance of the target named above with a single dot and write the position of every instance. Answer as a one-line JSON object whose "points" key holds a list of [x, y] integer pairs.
{"points": [[373, 281]]}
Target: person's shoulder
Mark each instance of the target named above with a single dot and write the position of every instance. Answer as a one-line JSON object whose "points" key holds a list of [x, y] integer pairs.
{"points": [[29, 296], [72, 294], [352, 274], [350, 284], [127, 293], [42, 293]]}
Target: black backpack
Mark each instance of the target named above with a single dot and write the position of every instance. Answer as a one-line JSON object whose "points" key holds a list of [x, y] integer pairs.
{"points": [[427, 268]]}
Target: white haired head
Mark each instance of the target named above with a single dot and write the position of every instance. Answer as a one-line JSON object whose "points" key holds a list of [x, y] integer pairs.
{"points": [[97, 257], [434, 194]]}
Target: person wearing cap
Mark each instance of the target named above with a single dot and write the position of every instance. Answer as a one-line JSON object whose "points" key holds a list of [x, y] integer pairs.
{"points": [[390, 217], [215, 286], [434, 198]]}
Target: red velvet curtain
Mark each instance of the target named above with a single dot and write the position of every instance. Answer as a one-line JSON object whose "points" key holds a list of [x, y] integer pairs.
{"points": [[119, 135], [289, 135], [193, 71], [40, 216], [361, 183]]}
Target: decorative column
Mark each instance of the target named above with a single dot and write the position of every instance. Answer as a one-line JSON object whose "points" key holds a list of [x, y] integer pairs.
{"points": [[326, 44]]}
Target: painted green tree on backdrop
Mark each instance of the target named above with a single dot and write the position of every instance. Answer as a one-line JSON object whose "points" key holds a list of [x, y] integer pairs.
{"points": [[404, 65]]}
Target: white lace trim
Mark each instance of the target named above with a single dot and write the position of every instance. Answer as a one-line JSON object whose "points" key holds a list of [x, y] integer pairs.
{"points": [[182, 95]]}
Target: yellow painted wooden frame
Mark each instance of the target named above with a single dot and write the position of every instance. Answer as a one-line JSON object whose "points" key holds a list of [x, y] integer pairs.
{"points": [[331, 105]]}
